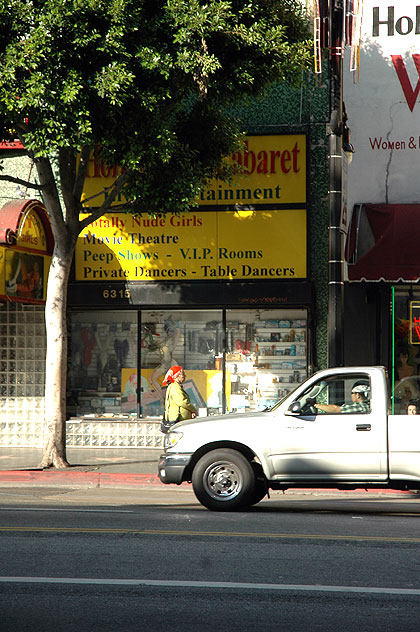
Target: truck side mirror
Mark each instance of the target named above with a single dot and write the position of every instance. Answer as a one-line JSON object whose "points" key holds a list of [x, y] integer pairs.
{"points": [[295, 408]]}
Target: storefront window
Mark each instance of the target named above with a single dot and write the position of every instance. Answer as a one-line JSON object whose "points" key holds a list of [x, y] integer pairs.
{"points": [[234, 360], [266, 356], [405, 377], [191, 339], [103, 345]]}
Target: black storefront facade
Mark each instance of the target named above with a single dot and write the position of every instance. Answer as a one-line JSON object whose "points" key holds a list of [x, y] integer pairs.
{"points": [[382, 296]]}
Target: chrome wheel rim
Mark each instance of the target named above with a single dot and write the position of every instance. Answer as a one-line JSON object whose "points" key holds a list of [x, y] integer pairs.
{"points": [[223, 480]]}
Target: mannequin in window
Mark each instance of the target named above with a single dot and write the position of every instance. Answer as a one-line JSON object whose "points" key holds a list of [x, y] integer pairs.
{"points": [[166, 348], [404, 369]]}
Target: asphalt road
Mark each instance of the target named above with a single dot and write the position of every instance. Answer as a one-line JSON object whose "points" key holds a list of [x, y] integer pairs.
{"points": [[155, 560]]}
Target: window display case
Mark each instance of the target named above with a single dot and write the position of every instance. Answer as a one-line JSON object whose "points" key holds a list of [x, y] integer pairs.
{"points": [[405, 357], [266, 358], [191, 339], [101, 346]]}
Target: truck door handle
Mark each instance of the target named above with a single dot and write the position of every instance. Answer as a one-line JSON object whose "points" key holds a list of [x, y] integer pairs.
{"points": [[363, 427]]}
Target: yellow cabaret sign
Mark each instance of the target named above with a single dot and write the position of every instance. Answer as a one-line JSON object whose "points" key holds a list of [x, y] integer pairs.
{"points": [[200, 245], [270, 169]]}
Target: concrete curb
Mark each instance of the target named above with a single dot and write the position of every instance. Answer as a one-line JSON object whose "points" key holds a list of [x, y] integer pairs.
{"points": [[69, 478]]}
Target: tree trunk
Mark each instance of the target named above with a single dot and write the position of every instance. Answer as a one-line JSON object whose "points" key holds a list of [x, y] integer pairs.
{"points": [[56, 361], [66, 228]]}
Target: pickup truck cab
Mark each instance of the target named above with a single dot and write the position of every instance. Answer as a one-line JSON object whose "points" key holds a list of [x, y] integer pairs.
{"points": [[334, 430]]}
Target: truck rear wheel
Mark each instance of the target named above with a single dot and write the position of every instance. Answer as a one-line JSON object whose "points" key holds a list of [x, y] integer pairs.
{"points": [[223, 480]]}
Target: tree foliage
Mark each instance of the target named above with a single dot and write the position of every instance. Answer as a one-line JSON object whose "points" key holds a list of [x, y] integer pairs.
{"points": [[149, 81], [148, 84]]}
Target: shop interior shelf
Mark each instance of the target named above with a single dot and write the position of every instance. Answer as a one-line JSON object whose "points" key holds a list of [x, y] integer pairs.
{"points": [[280, 342], [276, 369], [283, 358], [270, 329]]}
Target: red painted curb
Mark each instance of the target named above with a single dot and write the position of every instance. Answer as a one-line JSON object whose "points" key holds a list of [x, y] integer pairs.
{"points": [[90, 479]]}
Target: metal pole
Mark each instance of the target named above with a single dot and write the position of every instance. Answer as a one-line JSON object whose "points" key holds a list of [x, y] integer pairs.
{"points": [[335, 261], [334, 130]]}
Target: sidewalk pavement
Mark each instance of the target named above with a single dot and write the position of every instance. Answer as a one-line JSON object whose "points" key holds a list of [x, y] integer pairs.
{"points": [[89, 467]]}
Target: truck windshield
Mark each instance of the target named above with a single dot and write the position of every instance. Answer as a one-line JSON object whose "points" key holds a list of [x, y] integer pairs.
{"points": [[277, 404]]}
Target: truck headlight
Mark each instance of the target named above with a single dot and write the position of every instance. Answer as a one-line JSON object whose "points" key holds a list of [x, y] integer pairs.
{"points": [[172, 438]]}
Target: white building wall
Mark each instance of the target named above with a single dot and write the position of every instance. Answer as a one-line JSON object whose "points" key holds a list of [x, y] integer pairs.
{"points": [[385, 132]]}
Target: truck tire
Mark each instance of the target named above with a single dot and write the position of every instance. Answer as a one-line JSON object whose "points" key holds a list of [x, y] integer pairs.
{"points": [[259, 493], [260, 488], [223, 480]]}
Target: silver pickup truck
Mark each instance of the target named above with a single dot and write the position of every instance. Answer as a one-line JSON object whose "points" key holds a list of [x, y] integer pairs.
{"points": [[335, 430]]}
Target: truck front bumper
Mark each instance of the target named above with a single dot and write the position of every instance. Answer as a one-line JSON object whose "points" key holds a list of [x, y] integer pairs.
{"points": [[171, 467]]}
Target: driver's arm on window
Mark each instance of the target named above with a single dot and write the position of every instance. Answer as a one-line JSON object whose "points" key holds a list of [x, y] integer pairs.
{"points": [[328, 408]]}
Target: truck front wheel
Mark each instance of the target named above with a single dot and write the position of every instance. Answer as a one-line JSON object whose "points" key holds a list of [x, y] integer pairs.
{"points": [[223, 480]]}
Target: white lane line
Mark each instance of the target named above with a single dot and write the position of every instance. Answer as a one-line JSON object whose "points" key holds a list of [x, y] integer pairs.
{"points": [[212, 585]]}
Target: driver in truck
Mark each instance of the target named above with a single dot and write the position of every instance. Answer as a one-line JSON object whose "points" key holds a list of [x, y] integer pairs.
{"points": [[359, 402]]}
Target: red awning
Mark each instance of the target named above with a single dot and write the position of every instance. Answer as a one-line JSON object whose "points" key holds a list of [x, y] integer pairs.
{"points": [[11, 214], [384, 243]]}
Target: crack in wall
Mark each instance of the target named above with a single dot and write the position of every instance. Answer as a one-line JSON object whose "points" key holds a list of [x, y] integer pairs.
{"points": [[388, 164], [391, 152]]}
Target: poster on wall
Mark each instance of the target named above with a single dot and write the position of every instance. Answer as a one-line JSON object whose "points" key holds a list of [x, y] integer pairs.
{"points": [[204, 388], [24, 275], [24, 264]]}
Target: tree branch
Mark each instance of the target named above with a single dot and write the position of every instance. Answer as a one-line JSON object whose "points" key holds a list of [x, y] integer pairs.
{"points": [[67, 169], [81, 173], [115, 190], [50, 194], [24, 183]]}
